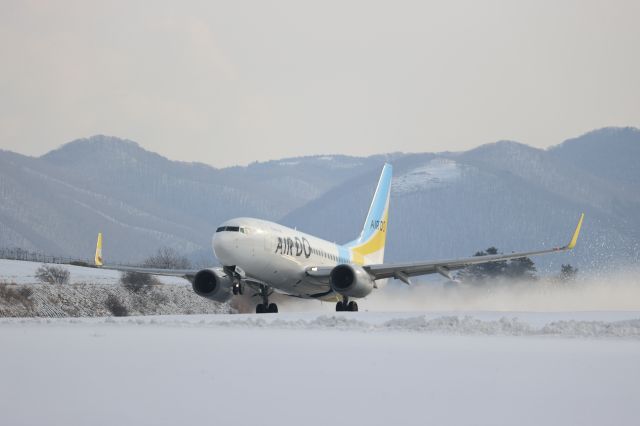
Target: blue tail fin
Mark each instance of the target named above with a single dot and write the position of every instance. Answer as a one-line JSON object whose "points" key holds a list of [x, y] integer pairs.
{"points": [[369, 247]]}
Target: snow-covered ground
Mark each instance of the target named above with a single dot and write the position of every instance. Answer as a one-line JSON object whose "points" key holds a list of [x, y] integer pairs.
{"points": [[93, 292], [542, 353], [20, 272], [316, 369]]}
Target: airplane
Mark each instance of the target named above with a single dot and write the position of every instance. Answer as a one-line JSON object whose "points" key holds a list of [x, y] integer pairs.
{"points": [[264, 257]]}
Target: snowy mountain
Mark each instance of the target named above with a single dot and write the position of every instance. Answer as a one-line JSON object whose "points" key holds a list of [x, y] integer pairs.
{"points": [[443, 205], [141, 201], [504, 194]]}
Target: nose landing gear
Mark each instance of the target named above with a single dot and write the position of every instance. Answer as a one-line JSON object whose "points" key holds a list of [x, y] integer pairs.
{"points": [[237, 275]]}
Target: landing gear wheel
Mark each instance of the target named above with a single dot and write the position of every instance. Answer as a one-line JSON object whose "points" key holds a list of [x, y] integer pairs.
{"points": [[353, 307], [339, 307], [265, 306]]}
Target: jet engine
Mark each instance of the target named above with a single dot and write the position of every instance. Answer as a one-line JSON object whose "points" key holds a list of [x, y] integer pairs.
{"points": [[213, 284], [351, 281]]}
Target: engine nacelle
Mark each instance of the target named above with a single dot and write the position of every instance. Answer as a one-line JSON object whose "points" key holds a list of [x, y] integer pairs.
{"points": [[351, 281], [213, 284]]}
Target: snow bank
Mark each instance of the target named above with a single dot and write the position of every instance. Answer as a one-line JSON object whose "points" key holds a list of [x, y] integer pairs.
{"points": [[91, 300], [466, 325]]}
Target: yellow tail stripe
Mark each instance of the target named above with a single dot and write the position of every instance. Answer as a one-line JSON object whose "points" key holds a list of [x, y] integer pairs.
{"points": [[373, 245]]}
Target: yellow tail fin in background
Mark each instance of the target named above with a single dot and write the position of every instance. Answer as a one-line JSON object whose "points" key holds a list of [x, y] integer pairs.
{"points": [[98, 258]]}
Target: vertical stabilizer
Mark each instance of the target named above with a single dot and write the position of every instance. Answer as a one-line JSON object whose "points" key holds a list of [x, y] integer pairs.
{"points": [[369, 247]]}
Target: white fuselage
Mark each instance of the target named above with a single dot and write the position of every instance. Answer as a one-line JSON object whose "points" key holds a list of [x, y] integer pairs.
{"points": [[277, 255]]}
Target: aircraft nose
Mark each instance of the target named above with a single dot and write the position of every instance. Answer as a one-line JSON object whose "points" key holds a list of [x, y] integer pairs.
{"points": [[223, 247]]}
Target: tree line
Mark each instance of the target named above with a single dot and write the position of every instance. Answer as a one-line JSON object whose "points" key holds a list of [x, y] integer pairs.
{"points": [[521, 269]]}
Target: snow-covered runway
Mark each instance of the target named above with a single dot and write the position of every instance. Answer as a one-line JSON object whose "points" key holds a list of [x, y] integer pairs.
{"points": [[347, 368]]}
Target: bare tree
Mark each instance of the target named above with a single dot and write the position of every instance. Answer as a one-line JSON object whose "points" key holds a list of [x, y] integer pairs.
{"points": [[116, 307], [137, 282], [167, 258], [16, 294], [52, 274]]}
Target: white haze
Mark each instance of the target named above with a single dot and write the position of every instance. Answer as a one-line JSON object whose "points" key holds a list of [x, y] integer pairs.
{"points": [[617, 291]]}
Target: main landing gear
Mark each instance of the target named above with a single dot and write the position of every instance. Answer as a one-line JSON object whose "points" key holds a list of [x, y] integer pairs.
{"points": [[345, 305], [265, 307]]}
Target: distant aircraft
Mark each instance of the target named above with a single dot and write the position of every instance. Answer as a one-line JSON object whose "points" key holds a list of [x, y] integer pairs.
{"points": [[263, 257]]}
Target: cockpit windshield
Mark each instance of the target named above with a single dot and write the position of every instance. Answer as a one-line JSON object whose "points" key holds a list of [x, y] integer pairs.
{"points": [[240, 229]]}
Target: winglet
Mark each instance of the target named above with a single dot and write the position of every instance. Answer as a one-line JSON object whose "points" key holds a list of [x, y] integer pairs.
{"points": [[98, 258], [574, 239]]}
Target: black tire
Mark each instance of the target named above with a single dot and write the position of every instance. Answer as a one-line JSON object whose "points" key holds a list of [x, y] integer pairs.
{"points": [[339, 307], [353, 307], [235, 290], [273, 308], [260, 308]]}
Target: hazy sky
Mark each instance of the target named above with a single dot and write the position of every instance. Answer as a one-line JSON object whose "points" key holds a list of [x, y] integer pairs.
{"points": [[239, 81]]}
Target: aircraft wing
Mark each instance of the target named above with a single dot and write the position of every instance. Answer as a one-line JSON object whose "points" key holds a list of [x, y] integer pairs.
{"points": [[403, 271], [152, 271], [184, 273]]}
